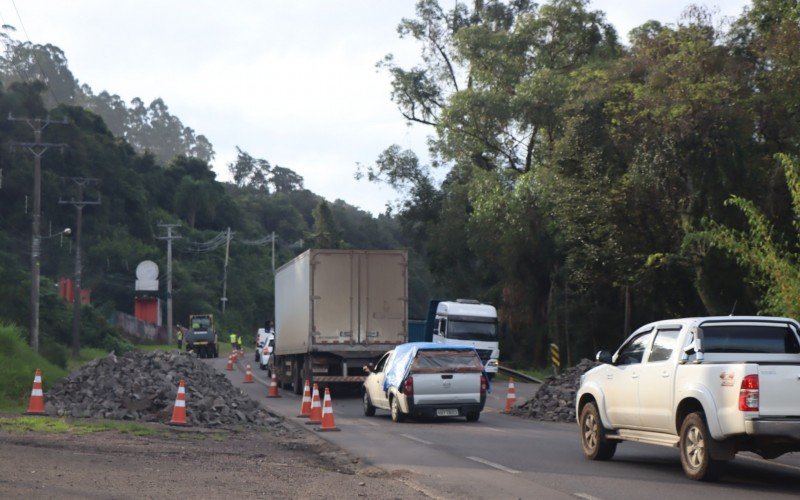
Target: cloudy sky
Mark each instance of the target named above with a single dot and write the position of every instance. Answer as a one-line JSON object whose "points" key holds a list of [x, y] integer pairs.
{"points": [[293, 82]]}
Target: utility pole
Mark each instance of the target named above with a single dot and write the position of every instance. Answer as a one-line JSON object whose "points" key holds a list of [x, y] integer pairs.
{"points": [[169, 237], [566, 320], [37, 148], [273, 255], [224, 298], [79, 203]]}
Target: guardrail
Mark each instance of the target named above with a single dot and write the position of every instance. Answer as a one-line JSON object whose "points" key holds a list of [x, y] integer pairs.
{"points": [[519, 375]]}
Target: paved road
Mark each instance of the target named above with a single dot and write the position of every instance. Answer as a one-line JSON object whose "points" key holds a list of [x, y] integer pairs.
{"points": [[503, 456]]}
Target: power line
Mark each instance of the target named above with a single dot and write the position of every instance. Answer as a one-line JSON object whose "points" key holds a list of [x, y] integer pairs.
{"points": [[33, 53]]}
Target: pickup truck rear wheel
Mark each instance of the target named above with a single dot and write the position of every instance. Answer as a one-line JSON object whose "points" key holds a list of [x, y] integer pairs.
{"points": [[397, 413], [596, 446], [473, 416], [695, 450]]}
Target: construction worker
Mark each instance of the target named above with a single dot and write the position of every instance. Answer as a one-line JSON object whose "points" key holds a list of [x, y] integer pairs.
{"points": [[239, 341], [179, 337], [232, 338]]}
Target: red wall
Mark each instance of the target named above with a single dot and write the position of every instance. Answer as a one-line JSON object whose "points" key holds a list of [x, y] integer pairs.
{"points": [[147, 309]]}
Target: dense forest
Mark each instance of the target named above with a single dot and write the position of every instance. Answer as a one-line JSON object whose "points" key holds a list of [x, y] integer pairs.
{"points": [[590, 186], [582, 185]]}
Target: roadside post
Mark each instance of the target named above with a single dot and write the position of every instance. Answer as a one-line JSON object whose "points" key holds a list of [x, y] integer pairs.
{"points": [[555, 357]]}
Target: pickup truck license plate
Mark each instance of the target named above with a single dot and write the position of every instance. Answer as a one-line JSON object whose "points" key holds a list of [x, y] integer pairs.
{"points": [[447, 412]]}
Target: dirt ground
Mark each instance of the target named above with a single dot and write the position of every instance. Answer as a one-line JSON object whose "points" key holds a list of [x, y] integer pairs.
{"points": [[188, 463]]}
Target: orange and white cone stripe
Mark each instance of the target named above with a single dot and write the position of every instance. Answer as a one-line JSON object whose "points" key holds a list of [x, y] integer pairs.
{"points": [[36, 403], [328, 423], [316, 409], [305, 406], [273, 388], [511, 396], [179, 411], [248, 375], [229, 366]]}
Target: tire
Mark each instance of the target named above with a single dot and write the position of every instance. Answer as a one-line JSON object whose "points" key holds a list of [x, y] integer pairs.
{"points": [[215, 349], [473, 416], [694, 448], [594, 442], [297, 380], [256, 357], [397, 414], [369, 410]]}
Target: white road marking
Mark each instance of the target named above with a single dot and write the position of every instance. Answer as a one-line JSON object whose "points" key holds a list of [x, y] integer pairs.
{"points": [[492, 464], [369, 422], [768, 462], [493, 429], [416, 439], [586, 496]]}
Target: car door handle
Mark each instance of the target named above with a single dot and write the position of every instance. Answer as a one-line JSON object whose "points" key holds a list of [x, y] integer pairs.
{"points": [[665, 374], [634, 375], [609, 376]]}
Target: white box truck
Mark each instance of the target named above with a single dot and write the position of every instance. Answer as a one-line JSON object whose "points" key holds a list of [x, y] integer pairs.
{"points": [[336, 311]]}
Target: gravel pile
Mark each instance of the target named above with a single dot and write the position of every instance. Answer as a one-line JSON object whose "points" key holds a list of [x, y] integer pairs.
{"points": [[142, 386], [555, 399]]}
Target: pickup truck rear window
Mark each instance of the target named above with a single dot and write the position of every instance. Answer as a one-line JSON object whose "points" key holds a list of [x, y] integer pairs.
{"points": [[444, 361], [750, 338]]}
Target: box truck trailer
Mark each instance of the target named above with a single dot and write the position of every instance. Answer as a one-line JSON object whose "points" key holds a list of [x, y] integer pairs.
{"points": [[336, 311]]}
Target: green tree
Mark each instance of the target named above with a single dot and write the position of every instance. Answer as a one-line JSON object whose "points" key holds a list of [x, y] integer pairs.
{"points": [[772, 260]]}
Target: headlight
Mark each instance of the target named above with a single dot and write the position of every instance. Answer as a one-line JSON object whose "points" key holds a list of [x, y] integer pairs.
{"points": [[492, 362]]}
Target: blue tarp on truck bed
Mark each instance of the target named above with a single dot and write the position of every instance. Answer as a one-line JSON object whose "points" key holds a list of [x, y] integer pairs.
{"points": [[404, 355]]}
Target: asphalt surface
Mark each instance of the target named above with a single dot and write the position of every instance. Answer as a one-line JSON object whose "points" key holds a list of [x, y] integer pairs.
{"points": [[503, 456]]}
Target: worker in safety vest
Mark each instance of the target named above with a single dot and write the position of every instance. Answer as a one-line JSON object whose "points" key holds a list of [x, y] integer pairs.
{"points": [[239, 342], [232, 338], [179, 336]]}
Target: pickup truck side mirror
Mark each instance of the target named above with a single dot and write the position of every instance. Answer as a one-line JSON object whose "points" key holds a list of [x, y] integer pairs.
{"points": [[367, 368], [604, 357]]}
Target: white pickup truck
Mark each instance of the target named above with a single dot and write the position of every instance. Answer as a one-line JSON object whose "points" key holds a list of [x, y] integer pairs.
{"points": [[710, 386]]}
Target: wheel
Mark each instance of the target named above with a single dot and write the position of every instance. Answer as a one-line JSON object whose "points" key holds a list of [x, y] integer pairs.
{"points": [[473, 416], [694, 447], [369, 410], [593, 435], [257, 358], [397, 413], [262, 367], [299, 369], [215, 350]]}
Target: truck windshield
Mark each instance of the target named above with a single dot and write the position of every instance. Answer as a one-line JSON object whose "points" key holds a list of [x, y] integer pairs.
{"points": [[472, 330], [202, 323]]}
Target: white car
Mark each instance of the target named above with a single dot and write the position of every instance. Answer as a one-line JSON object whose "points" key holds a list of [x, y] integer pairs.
{"points": [[423, 379], [265, 344]]}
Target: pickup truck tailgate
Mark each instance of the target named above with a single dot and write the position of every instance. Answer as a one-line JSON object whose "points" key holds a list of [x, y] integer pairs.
{"points": [[447, 388], [779, 390]]}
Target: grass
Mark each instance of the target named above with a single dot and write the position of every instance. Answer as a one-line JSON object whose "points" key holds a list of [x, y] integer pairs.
{"points": [[18, 363], [87, 354], [63, 425]]}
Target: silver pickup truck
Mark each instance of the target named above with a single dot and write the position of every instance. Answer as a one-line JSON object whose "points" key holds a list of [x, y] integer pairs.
{"points": [[423, 379]]}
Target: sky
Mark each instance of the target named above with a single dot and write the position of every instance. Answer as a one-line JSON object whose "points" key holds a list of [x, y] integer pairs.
{"points": [[293, 82]]}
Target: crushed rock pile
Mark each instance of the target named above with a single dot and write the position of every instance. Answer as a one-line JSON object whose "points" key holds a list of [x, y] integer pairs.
{"points": [[555, 399], [142, 386]]}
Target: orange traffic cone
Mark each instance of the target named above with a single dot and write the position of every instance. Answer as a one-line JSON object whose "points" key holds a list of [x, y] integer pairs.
{"points": [[248, 375], [316, 409], [273, 388], [511, 396], [305, 406], [229, 366], [36, 404], [327, 414], [179, 411]]}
